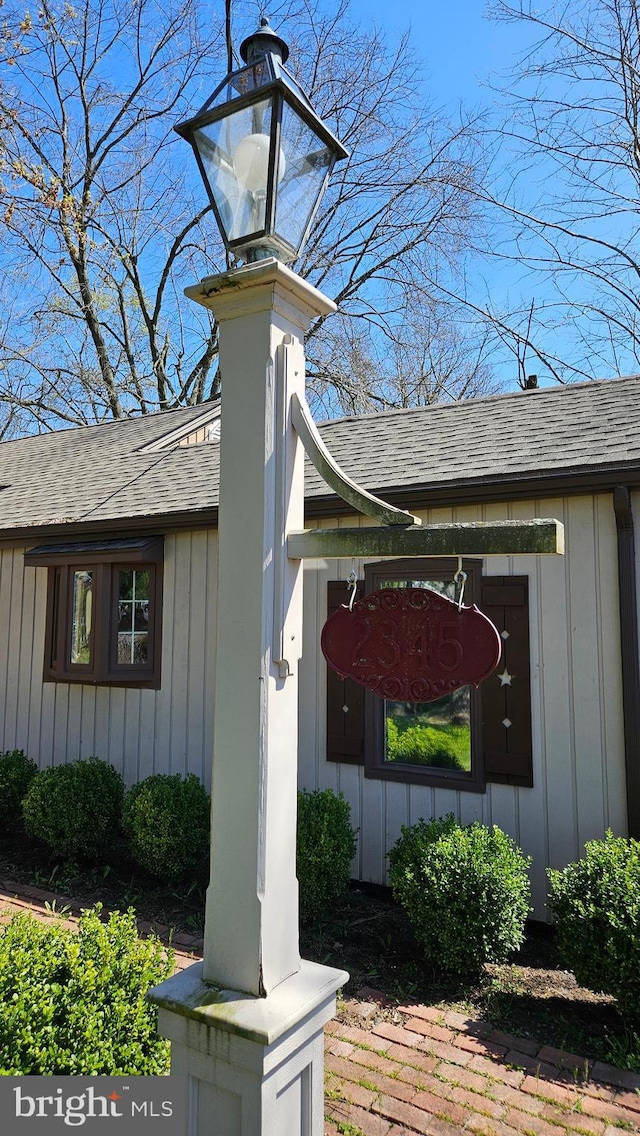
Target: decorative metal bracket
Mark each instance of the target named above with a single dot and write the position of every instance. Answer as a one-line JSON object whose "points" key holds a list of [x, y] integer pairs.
{"points": [[336, 478], [401, 533]]}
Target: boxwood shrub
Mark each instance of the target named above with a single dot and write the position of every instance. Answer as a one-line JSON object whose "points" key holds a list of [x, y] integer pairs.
{"points": [[326, 845], [596, 903], [466, 892], [76, 809], [73, 1003], [16, 774], [166, 817]]}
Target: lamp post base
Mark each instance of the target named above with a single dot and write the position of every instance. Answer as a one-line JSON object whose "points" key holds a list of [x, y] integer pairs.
{"points": [[255, 1066]]}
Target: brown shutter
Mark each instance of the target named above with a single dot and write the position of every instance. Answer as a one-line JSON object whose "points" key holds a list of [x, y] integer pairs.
{"points": [[507, 749], [345, 701]]}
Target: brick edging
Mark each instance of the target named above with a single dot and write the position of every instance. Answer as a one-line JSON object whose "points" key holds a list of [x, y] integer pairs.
{"points": [[35, 899]]}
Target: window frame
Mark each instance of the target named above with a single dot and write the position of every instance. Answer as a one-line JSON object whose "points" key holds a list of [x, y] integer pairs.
{"points": [[105, 560], [375, 766]]}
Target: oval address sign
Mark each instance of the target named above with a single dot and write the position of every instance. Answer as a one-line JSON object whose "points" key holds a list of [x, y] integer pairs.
{"points": [[411, 644]]}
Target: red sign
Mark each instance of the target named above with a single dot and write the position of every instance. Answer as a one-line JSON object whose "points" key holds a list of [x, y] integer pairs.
{"points": [[411, 644]]}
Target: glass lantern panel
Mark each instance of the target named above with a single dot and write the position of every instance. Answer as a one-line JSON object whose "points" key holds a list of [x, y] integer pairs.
{"points": [[307, 161], [241, 83], [234, 152], [293, 85]]}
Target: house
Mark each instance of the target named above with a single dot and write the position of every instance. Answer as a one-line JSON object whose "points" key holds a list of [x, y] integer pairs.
{"points": [[108, 606]]}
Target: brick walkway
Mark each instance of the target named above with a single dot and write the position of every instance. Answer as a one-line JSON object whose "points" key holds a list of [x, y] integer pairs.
{"points": [[430, 1073], [441, 1073]]}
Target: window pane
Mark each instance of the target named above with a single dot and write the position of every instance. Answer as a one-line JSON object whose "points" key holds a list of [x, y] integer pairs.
{"points": [[436, 735], [125, 590], [133, 649], [81, 617], [133, 617]]}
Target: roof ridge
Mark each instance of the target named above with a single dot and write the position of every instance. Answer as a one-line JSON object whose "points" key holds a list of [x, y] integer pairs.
{"points": [[501, 396]]}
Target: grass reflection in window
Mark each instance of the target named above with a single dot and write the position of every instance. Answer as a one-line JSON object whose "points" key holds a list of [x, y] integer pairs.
{"points": [[432, 734]]}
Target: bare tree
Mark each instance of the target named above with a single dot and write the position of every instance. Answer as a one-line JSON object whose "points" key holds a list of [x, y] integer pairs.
{"points": [[570, 185], [393, 230], [104, 220], [424, 359], [98, 216]]}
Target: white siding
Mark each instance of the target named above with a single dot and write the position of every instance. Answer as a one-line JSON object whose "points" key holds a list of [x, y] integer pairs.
{"points": [[139, 731], [578, 743], [578, 746]]}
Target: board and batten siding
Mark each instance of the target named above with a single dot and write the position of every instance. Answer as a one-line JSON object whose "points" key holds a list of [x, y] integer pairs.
{"points": [[140, 732], [578, 740]]}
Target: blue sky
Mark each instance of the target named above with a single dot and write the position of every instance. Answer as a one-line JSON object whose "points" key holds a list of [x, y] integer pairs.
{"points": [[463, 52], [460, 46]]}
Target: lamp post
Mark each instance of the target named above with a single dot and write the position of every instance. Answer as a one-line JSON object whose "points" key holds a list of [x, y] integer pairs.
{"points": [[246, 1025]]}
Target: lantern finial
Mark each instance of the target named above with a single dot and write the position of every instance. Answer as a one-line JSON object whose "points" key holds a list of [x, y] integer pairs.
{"points": [[263, 40]]}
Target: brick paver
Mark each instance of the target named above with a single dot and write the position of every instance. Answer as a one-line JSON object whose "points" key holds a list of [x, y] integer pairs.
{"points": [[480, 1081], [431, 1072]]}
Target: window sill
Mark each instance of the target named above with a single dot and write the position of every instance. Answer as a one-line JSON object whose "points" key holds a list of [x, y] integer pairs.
{"points": [[133, 683], [429, 777]]}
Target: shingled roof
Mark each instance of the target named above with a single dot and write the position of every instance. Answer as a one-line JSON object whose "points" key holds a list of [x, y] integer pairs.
{"points": [[532, 443]]}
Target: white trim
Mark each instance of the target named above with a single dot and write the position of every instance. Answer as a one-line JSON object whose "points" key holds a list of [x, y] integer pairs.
{"points": [[173, 438]]}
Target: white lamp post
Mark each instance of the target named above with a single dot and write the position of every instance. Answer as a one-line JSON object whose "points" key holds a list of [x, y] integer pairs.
{"points": [[246, 1025]]}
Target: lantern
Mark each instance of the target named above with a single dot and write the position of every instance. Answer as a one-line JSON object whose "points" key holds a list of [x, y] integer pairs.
{"points": [[264, 155]]}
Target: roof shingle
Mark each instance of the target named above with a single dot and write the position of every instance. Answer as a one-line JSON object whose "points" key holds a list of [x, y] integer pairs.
{"points": [[95, 474]]}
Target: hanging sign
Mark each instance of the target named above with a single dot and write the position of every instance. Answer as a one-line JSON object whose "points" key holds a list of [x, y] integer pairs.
{"points": [[411, 644]]}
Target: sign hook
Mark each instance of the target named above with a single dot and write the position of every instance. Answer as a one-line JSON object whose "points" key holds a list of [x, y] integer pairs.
{"points": [[460, 580], [352, 584]]}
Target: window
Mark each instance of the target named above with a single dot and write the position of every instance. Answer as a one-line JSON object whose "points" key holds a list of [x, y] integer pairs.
{"points": [[463, 740], [103, 611]]}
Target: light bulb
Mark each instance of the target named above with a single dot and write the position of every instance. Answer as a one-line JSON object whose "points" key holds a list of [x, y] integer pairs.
{"points": [[251, 162]]}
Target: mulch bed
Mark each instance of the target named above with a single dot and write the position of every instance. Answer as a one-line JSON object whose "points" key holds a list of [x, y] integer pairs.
{"points": [[367, 934]]}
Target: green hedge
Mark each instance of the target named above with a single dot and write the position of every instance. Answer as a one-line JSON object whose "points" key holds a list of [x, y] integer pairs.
{"points": [[17, 771], [326, 845], [166, 817], [466, 892], [596, 903], [73, 1003], [76, 809]]}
